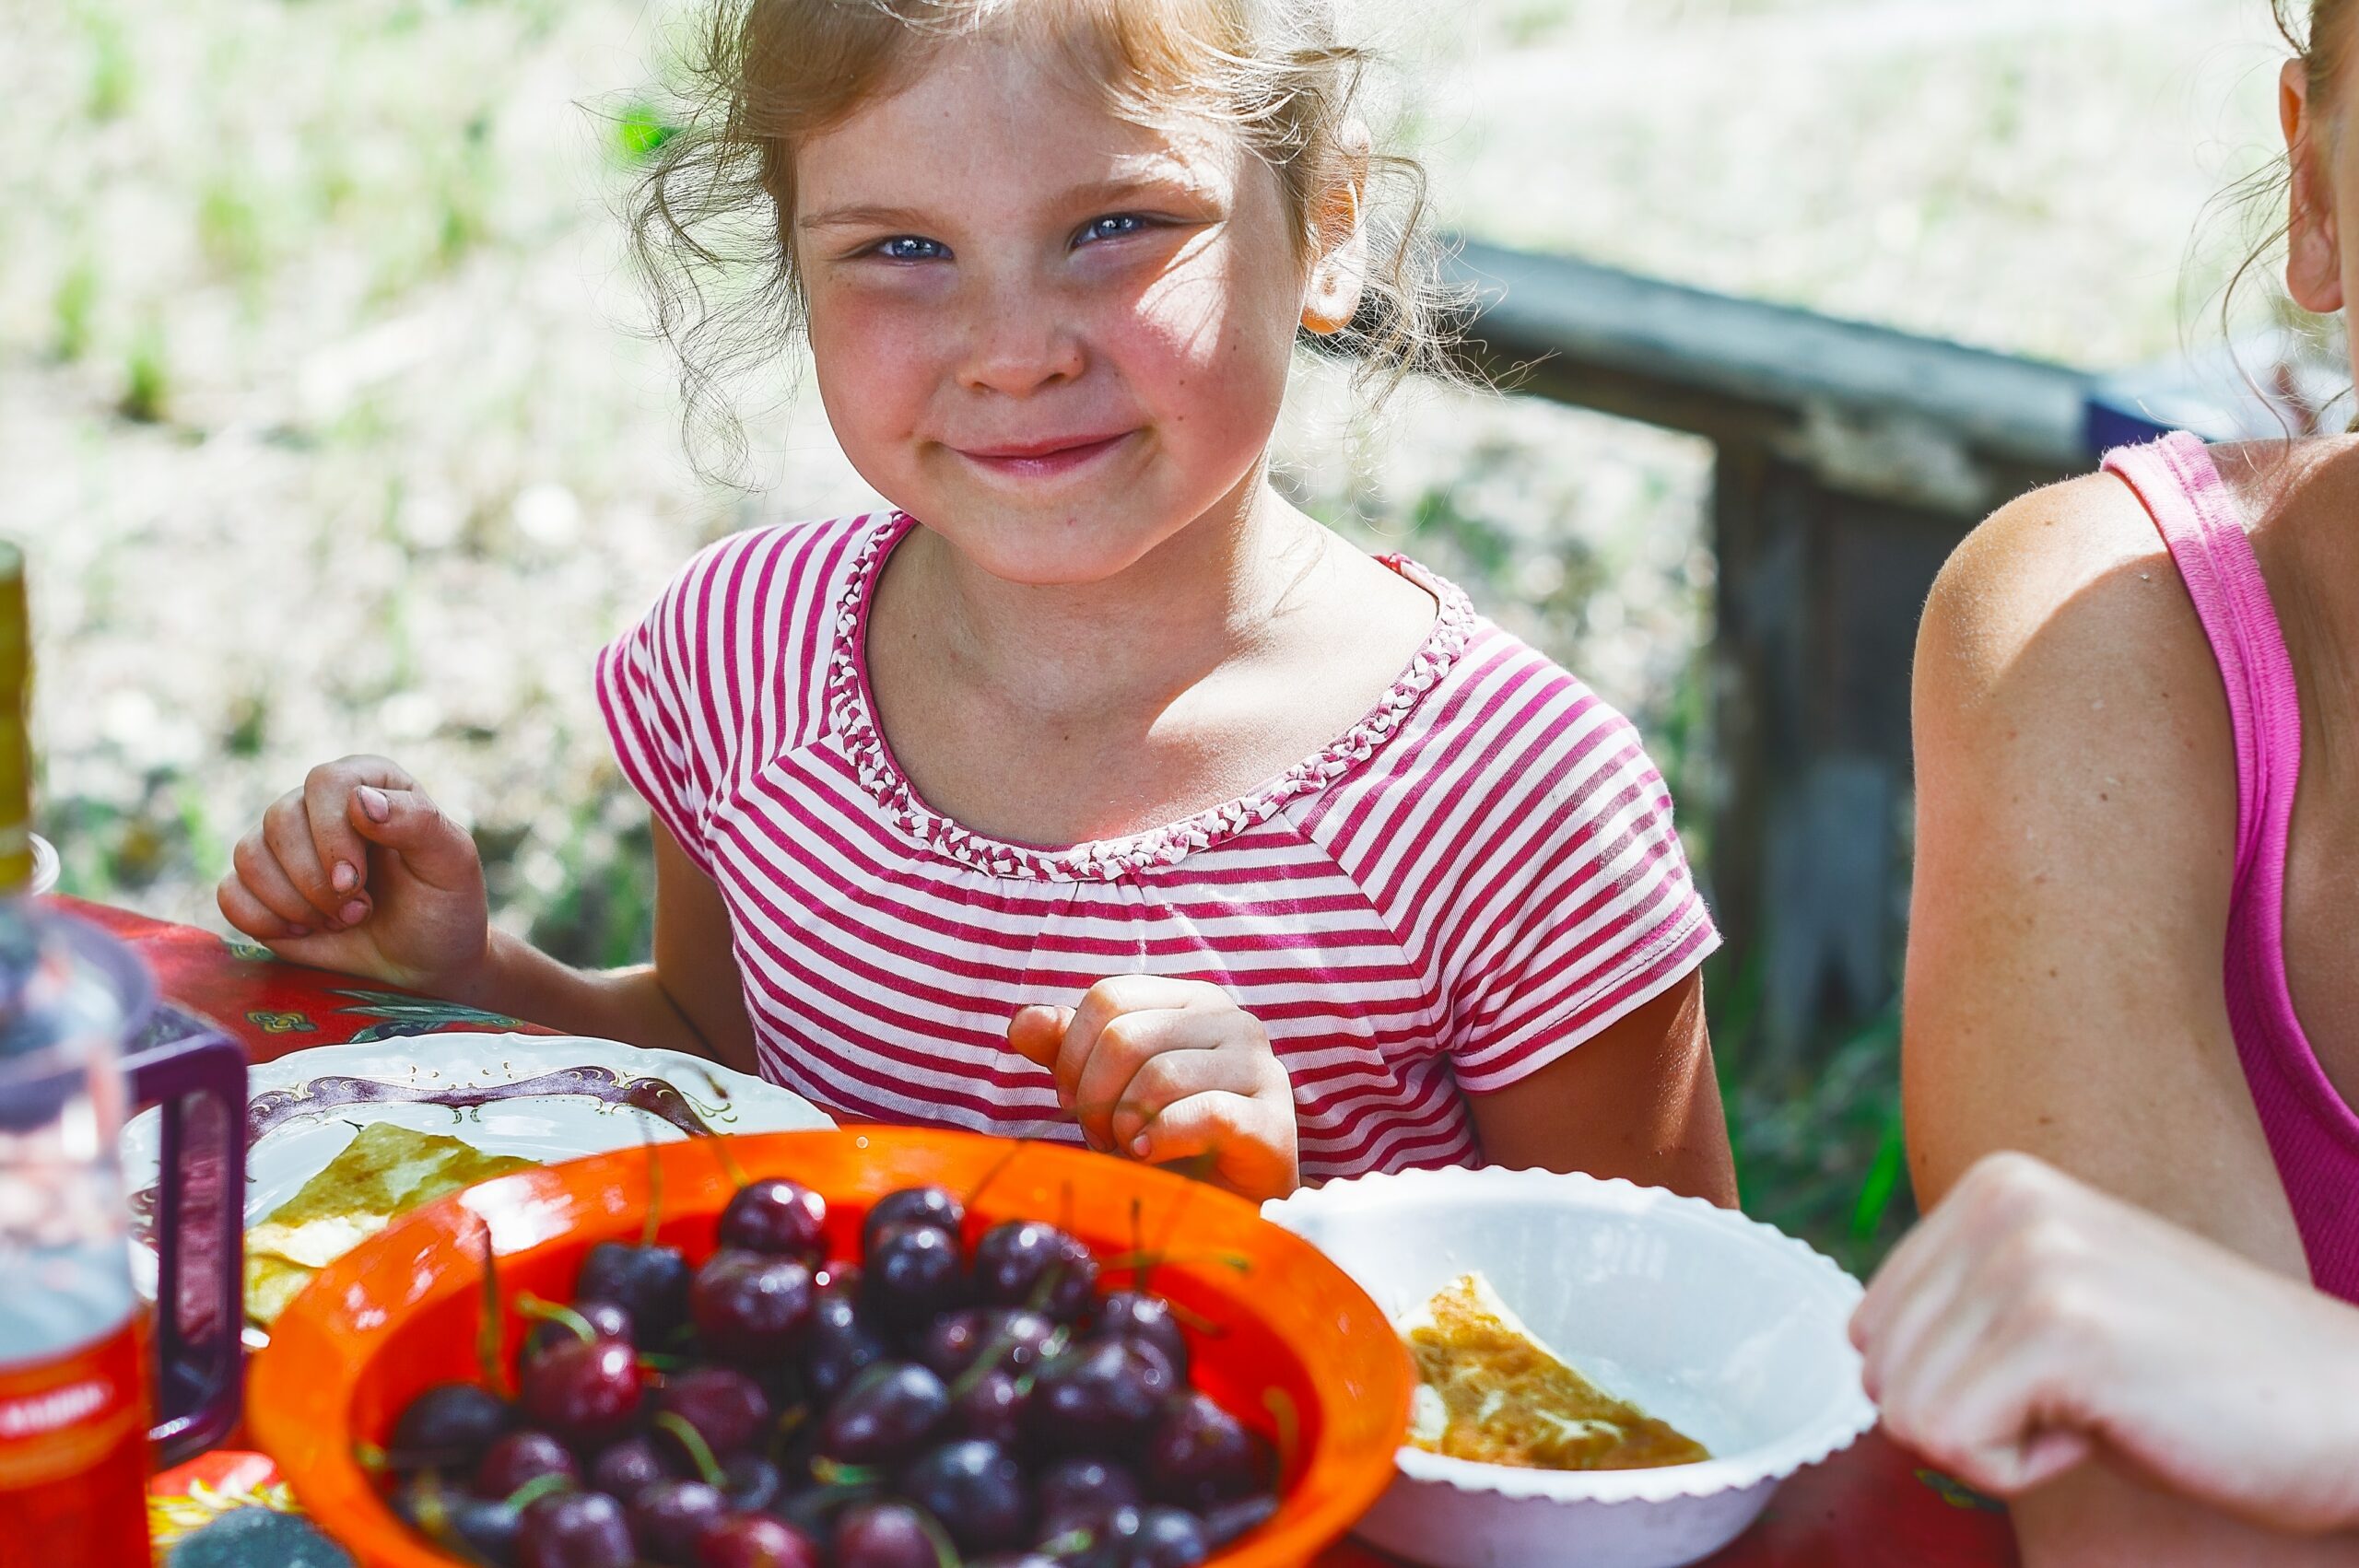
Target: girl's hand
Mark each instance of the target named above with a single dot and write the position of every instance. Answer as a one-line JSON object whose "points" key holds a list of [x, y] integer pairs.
{"points": [[2033, 1322], [358, 872], [1168, 1069]]}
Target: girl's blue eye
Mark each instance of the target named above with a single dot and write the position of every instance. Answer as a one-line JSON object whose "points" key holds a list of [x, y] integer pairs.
{"points": [[910, 248], [1114, 225]]}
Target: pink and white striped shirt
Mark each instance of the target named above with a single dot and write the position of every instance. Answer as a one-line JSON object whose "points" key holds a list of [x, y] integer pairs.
{"points": [[1478, 876]]}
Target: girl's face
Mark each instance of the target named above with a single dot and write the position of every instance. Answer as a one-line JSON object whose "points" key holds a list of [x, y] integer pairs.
{"points": [[1055, 337]]}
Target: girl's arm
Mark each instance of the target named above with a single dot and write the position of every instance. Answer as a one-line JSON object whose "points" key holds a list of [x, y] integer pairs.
{"points": [[1637, 1100], [359, 872], [2075, 847]]}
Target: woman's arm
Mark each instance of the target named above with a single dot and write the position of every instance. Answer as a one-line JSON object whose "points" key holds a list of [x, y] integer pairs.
{"points": [[2075, 845], [2031, 1322], [1638, 1100]]}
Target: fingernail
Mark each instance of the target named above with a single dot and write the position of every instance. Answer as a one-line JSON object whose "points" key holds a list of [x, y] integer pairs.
{"points": [[373, 805], [1138, 1147], [345, 877], [354, 912]]}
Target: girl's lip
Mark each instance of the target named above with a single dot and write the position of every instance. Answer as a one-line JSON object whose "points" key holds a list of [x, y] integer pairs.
{"points": [[1040, 460]]}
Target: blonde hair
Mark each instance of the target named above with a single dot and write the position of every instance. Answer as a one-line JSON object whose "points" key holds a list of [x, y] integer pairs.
{"points": [[710, 219]]}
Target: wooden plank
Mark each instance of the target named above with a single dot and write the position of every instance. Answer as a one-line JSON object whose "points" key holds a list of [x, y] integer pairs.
{"points": [[1723, 366]]}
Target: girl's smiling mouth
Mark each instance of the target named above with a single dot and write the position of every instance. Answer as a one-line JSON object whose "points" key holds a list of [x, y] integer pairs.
{"points": [[1050, 458]]}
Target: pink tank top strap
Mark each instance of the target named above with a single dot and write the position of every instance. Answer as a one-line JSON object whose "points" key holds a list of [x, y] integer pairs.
{"points": [[2200, 520], [2313, 1134]]}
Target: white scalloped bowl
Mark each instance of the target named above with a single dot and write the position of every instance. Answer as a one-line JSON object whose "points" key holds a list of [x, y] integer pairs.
{"points": [[1726, 1328]]}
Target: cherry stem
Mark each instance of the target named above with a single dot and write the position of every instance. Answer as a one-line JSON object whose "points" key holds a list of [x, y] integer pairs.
{"points": [[699, 1451], [541, 1311], [370, 1458], [946, 1551], [830, 1472], [532, 1491], [1235, 1260], [490, 1339], [655, 1186], [729, 1165], [1281, 1405], [998, 1167]]}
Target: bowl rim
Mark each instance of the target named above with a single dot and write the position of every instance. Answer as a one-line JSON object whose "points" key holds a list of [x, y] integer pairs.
{"points": [[1841, 1421], [302, 1386]]}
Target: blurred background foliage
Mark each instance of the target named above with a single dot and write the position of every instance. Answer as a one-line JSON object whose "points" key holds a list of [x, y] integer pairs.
{"points": [[324, 413]]}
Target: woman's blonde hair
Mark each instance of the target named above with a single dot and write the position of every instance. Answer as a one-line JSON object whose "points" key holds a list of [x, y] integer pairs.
{"points": [[711, 218]]}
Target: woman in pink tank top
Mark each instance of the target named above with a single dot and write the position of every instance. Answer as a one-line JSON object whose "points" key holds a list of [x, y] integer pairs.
{"points": [[2133, 962]]}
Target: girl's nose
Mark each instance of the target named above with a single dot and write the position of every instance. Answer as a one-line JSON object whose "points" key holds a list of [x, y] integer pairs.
{"points": [[1020, 343]]}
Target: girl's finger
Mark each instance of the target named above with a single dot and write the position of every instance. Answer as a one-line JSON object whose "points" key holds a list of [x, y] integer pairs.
{"points": [[258, 870], [1920, 1252], [327, 800], [1126, 1046], [1108, 1000], [1910, 1317], [1165, 1080], [1203, 1124], [433, 848], [1036, 1034], [250, 915], [287, 833]]}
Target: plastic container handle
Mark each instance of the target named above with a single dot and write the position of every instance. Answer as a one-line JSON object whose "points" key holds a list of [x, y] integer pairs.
{"points": [[200, 1351]]}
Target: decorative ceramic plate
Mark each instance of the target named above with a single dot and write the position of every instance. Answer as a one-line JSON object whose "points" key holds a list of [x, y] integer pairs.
{"points": [[543, 1097]]}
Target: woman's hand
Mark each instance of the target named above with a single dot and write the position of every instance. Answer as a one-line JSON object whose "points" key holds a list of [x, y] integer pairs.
{"points": [[1168, 1069], [2031, 1322], [358, 872]]}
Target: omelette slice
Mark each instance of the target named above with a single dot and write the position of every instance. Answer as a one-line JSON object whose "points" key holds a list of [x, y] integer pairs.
{"points": [[386, 1171], [1489, 1391]]}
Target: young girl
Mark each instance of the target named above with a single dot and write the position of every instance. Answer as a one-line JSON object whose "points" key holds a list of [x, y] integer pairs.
{"points": [[1095, 792]]}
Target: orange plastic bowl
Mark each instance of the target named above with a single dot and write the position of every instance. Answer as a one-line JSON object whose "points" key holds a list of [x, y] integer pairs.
{"points": [[1301, 1347]]}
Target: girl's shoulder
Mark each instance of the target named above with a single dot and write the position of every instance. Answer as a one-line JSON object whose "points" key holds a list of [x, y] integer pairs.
{"points": [[767, 575]]}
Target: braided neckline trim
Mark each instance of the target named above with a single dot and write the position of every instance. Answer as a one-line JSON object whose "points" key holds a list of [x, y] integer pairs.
{"points": [[851, 717]]}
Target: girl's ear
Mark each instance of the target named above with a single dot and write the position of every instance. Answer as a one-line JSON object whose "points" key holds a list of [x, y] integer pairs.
{"points": [[1333, 294], [2313, 246]]}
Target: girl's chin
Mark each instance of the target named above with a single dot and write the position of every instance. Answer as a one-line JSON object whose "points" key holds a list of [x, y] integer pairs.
{"points": [[1072, 548]]}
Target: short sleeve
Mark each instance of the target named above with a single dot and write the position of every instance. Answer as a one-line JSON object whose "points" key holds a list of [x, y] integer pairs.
{"points": [[648, 693], [1580, 908]]}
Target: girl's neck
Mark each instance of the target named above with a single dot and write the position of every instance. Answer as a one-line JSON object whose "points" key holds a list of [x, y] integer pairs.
{"points": [[1072, 653]]}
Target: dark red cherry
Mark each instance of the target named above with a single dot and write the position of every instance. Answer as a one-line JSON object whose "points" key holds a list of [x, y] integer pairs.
{"points": [[648, 1283], [1078, 1492], [668, 1518], [1230, 1521], [988, 1405], [975, 1491], [1013, 1338], [1199, 1455], [624, 1470], [586, 1391], [576, 1530], [728, 1409], [609, 1322], [780, 1217], [885, 1535], [1137, 1314], [448, 1427], [1024, 1263], [842, 1341], [757, 1540], [913, 1205], [1100, 1397], [886, 1416], [914, 1273], [751, 1307], [520, 1458]]}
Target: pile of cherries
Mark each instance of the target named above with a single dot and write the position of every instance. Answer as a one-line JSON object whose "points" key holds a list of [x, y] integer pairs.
{"points": [[932, 1407]]}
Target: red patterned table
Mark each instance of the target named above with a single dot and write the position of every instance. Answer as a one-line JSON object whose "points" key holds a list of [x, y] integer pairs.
{"points": [[1872, 1507]]}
